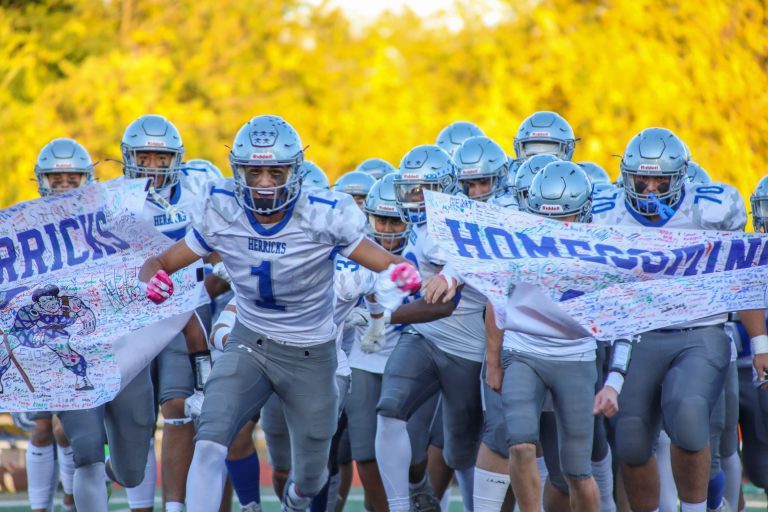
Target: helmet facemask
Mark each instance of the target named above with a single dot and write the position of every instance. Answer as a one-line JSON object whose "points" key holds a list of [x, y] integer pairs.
{"points": [[759, 213], [265, 200], [391, 240], [658, 202], [410, 197], [163, 177]]}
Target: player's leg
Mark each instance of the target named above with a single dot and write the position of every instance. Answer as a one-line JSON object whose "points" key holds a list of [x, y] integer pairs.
{"points": [[667, 490], [440, 474], [729, 442], [66, 465], [491, 467], [462, 418], [235, 392], [602, 460], [87, 436], [243, 468], [423, 431], [176, 383], [690, 391], [410, 379], [305, 381], [342, 480], [555, 495], [278, 443], [361, 416], [129, 420], [573, 387], [638, 422], [753, 420], [523, 394], [41, 462], [716, 486]]}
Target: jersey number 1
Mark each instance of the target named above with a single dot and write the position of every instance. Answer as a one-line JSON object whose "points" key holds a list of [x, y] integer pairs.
{"points": [[264, 273]]}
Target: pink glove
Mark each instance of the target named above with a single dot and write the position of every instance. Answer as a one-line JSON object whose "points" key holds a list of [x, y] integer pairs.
{"points": [[160, 287], [406, 277]]}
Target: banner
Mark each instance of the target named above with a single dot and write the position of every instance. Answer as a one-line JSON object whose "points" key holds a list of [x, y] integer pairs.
{"points": [[575, 279], [71, 306]]}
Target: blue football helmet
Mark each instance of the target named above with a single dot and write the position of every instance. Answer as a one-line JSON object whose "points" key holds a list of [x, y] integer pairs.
{"points": [[382, 202], [152, 133], [62, 156], [424, 167], [376, 167], [312, 176], [451, 137]]}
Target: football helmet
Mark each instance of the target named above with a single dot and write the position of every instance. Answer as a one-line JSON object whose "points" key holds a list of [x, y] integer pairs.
{"points": [[156, 134], [561, 189], [62, 156], [376, 167], [525, 174], [697, 174], [545, 132], [481, 158], [312, 176], [381, 202], [451, 137], [423, 167], [355, 183], [759, 202]]}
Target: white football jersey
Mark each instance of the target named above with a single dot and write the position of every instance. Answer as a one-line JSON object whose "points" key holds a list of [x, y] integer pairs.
{"points": [[707, 206], [463, 333], [283, 272], [185, 202]]}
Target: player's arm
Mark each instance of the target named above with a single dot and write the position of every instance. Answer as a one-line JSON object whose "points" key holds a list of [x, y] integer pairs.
{"points": [[371, 255], [607, 399], [156, 270], [223, 326], [494, 337], [754, 323], [217, 282], [421, 311]]}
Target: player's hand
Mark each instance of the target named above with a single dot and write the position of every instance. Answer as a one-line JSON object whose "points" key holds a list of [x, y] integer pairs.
{"points": [[359, 316], [372, 340], [606, 402], [436, 287], [193, 405], [760, 362], [494, 376], [159, 287], [220, 271], [406, 277]]}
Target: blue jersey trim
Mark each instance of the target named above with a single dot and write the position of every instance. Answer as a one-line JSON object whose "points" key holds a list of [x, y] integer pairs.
{"points": [[224, 191], [264, 231], [336, 250], [201, 240], [176, 234], [175, 194], [642, 219]]}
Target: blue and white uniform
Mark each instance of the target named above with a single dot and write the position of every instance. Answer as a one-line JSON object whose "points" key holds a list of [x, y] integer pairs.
{"points": [[687, 362], [284, 339]]}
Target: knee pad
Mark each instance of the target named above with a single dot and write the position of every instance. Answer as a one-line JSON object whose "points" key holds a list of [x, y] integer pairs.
{"points": [[86, 450], [130, 478], [390, 407], [687, 423], [633, 443], [461, 454]]}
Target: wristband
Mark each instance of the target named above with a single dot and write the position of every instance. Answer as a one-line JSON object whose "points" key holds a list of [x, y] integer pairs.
{"points": [[374, 308], [218, 337], [622, 351], [201, 367], [615, 380], [759, 344], [227, 318]]}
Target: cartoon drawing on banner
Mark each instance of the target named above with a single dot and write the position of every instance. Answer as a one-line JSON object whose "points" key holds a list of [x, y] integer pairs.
{"points": [[44, 324]]}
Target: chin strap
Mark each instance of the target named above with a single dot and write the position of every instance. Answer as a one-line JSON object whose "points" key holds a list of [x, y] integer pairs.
{"points": [[162, 202]]}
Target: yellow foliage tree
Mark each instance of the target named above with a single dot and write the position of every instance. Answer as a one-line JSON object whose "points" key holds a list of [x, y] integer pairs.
{"points": [[85, 69]]}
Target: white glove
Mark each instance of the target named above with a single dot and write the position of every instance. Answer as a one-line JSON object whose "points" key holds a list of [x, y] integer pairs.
{"points": [[374, 336], [359, 316], [193, 405], [220, 271]]}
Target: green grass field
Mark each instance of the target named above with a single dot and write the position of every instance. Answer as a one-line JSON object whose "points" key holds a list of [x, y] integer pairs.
{"points": [[17, 502]]}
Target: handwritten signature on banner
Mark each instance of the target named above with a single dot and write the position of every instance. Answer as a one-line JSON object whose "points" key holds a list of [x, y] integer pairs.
{"points": [[614, 281], [69, 293]]}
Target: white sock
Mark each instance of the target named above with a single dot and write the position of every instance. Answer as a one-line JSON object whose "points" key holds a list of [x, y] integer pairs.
{"points": [[445, 501], [41, 472], [541, 465], [489, 490], [667, 488], [88, 487], [393, 453], [66, 468], [693, 507], [174, 506], [466, 479], [143, 495], [206, 474], [732, 468], [603, 473]]}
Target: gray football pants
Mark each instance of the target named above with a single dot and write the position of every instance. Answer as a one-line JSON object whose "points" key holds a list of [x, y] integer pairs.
{"points": [[126, 423], [253, 367], [674, 377]]}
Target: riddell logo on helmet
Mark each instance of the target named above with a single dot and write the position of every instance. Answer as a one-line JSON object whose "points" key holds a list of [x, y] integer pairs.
{"points": [[411, 176], [63, 165], [156, 143], [262, 156], [650, 167], [386, 208], [551, 208], [539, 134], [470, 171]]}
